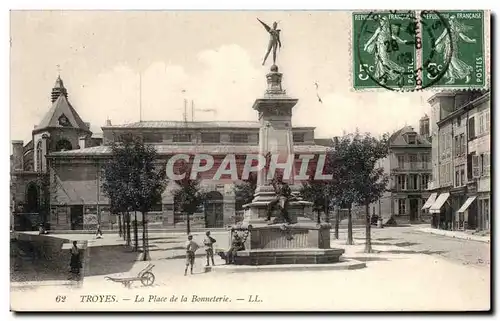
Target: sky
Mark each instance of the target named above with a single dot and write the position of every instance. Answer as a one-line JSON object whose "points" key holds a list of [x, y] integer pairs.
{"points": [[214, 57]]}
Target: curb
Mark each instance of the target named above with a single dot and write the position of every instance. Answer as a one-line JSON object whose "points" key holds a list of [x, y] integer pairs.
{"points": [[468, 238], [344, 264]]}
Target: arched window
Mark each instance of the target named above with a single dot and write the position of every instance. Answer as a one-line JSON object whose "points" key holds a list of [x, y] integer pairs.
{"points": [[63, 145], [39, 155], [31, 198]]}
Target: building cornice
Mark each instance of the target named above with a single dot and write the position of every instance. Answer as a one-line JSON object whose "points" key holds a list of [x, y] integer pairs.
{"points": [[464, 108]]}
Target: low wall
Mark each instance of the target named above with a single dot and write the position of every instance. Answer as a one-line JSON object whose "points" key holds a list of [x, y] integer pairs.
{"points": [[50, 252]]}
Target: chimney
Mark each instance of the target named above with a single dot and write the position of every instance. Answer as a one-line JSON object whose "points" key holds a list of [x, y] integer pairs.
{"points": [[108, 122], [17, 154], [88, 125], [82, 142]]}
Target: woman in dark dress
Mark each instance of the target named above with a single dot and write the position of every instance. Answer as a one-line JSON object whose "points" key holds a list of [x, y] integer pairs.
{"points": [[75, 262]]}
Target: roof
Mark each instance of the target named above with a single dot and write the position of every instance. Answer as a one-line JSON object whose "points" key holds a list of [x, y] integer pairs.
{"points": [[190, 124], [397, 138], [61, 107], [323, 141], [190, 149]]}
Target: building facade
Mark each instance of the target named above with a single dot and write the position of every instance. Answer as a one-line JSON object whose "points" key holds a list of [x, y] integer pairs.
{"points": [[409, 166], [71, 161], [460, 189]]}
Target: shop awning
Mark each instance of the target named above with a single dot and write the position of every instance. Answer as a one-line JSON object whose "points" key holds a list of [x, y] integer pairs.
{"points": [[436, 207], [430, 201], [466, 205]]}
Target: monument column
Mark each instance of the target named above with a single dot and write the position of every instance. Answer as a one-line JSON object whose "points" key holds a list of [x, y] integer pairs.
{"points": [[275, 143]]}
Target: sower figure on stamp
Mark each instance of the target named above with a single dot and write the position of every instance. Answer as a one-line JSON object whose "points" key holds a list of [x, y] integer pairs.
{"points": [[274, 40]]}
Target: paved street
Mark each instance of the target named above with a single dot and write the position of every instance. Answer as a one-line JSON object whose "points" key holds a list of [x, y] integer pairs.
{"points": [[410, 270], [410, 240]]}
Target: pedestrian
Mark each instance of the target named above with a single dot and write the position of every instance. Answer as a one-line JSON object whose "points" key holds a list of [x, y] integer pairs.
{"points": [[209, 248], [191, 247], [236, 245], [98, 233], [75, 262]]}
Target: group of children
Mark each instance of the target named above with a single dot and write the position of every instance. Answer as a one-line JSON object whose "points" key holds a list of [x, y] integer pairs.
{"points": [[192, 246]]}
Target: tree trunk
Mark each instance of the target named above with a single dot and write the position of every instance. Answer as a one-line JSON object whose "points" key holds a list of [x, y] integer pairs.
{"points": [[128, 229], [368, 237], [349, 227], [337, 222], [327, 212], [319, 217], [188, 226], [136, 232], [145, 245], [120, 230]]}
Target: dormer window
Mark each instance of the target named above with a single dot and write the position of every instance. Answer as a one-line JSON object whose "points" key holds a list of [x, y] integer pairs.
{"points": [[411, 138]]}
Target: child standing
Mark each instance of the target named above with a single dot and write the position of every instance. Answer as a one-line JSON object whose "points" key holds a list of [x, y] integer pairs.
{"points": [[209, 248], [191, 247]]}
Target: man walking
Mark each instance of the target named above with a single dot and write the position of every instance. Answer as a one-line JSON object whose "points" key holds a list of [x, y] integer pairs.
{"points": [[191, 247], [209, 248]]}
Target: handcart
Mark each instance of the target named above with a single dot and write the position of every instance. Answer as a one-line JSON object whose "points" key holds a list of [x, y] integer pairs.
{"points": [[146, 277]]}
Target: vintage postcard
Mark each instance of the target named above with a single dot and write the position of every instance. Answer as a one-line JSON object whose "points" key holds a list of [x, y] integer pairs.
{"points": [[250, 160]]}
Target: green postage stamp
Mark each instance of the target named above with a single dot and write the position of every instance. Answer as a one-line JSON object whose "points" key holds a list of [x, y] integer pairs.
{"points": [[415, 50]]}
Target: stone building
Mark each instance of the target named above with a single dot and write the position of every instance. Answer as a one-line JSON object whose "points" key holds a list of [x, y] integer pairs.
{"points": [[60, 129], [409, 167], [460, 187], [71, 160]]}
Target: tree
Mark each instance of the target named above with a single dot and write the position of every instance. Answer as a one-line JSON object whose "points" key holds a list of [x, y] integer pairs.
{"points": [[342, 187], [317, 192], [244, 191], [136, 178], [370, 180], [188, 195]]}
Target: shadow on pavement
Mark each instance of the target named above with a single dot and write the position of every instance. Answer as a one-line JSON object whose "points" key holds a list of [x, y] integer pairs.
{"points": [[412, 252], [368, 258], [400, 244], [111, 260]]}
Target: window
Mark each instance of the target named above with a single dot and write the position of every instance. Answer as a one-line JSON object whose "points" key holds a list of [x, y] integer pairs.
{"points": [[425, 181], [462, 175], [457, 178], [459, 120], [39, 156], [413, 161], [402, 206], [463, 147], [485, 164], [63, 145], [475, 166], [210, 137], [481, 124], [298, 137], [401, 182], [414, 181], [401, 161], [469, 165], [238, 138], [181, 138], [411, 139], [487, 121], [457, 145], [425, 160], [472, 129], [152, 138]]}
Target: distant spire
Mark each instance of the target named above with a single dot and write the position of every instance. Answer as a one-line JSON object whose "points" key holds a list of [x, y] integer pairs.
{"points": [[58, 89]]}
